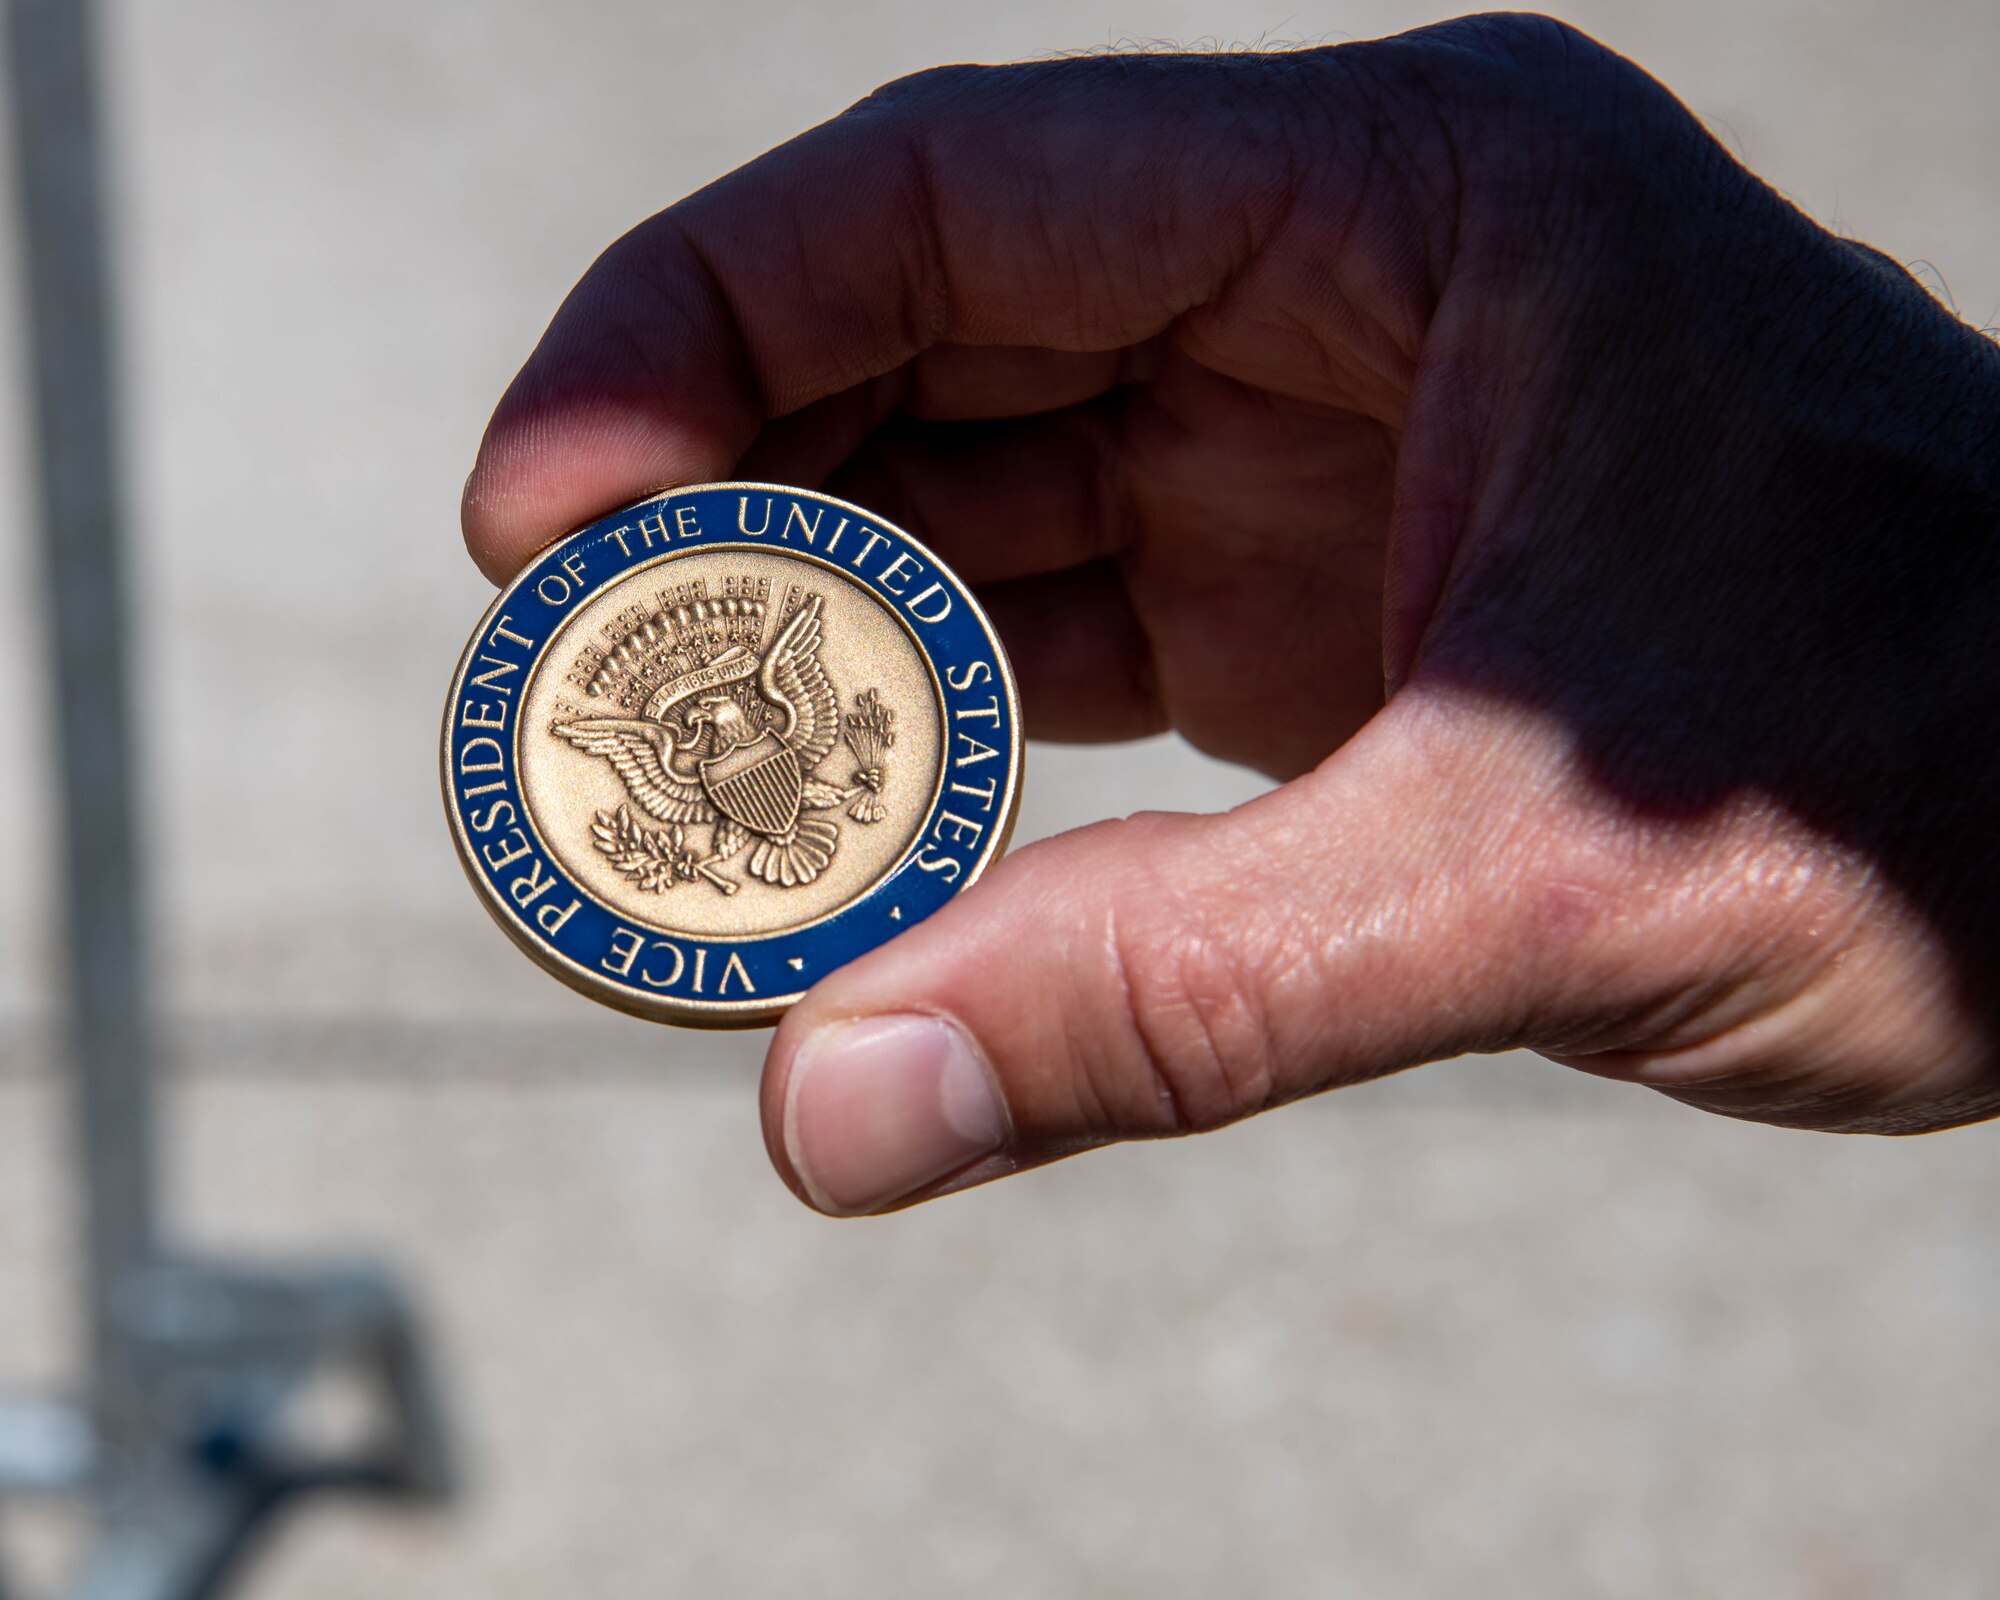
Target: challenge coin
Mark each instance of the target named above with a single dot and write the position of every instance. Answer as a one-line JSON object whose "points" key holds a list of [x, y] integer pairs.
{"points": [[715, 745]]}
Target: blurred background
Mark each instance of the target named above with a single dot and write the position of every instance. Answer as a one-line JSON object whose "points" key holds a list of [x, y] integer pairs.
{"points": [[1488, 1328]]}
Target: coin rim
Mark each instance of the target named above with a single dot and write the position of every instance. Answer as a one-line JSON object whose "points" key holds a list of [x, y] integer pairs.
{"points": [[720, 1014]]}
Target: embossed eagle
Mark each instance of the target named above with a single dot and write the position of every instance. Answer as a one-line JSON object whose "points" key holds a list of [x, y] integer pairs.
{"points": [[747, 770]]}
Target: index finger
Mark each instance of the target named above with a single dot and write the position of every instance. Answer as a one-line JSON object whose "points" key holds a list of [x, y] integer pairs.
{"points": [[1076, 205]]}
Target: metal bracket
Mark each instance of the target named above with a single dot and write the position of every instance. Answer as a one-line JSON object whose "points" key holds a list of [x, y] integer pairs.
{"points": [[227, 1358]]}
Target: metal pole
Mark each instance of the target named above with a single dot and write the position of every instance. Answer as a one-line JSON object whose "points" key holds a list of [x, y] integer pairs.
{"points": [[60, 172], [191, 1364]]}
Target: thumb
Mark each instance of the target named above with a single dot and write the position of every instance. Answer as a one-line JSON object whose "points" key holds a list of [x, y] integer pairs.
{"points": [[1163, 975]]}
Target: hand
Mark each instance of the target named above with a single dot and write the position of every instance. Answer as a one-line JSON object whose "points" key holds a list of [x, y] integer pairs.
{"points": [[1607, 557]]}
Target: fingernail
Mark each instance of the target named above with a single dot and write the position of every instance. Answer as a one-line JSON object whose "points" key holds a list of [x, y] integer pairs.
{"points": [[878, 1108]]}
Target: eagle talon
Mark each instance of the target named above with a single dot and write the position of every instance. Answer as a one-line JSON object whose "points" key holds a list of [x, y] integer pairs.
{"points": [[726, 885], [865, 789]]}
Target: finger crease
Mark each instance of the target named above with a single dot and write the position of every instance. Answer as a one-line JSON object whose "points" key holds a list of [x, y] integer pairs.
{"points": [[745, 363], [1166, 1092]]}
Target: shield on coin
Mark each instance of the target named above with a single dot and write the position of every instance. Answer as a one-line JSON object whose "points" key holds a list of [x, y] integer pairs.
{"points": [[757, 784]]}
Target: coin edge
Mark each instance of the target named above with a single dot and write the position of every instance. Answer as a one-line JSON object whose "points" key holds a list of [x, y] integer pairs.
{"points": [[731, 1014]]}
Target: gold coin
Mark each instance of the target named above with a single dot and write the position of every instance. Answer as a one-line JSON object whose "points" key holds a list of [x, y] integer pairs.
{"points": [[715, 745]]}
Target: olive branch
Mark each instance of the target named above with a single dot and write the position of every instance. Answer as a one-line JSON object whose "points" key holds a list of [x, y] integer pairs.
{"points": [[654, 858]]}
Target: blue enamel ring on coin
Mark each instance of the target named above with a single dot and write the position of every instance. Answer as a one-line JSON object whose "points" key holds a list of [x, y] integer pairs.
{"points": [[712, 747]]}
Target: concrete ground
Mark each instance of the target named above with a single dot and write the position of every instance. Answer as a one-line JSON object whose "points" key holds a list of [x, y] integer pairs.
{"points": [[1489, 1329]]}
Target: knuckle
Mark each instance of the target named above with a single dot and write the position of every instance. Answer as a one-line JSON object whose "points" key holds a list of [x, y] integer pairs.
{"points": [[1519, 53], [1543, 117], [915, 91], [1200, 1036]]}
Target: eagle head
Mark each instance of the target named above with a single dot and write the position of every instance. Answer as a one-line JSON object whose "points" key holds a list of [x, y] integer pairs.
{"points": [[721, 714]]}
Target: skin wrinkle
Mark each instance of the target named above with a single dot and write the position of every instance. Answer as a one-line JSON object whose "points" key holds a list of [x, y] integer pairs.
{"points": [[1296, 983], [1211, 986], [1338, 257], [1597, 869], [1448, 195], [1205, 981], [1720, 996], [1261, 220], [1131, 326], [641, 358], [1207, 332], [1258, 217], [930, 325], [1178, 410], [641, 267], [1703, 1041], [1166, 1089], [1454, 513], [1256, 242], [947, 383], [925, 276], [1756, 1070], [1337, 387], [771, 400]]}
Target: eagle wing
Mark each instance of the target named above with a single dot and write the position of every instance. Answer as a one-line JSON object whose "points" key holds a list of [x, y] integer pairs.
{"points": [[794, 681], [639, 751]]}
